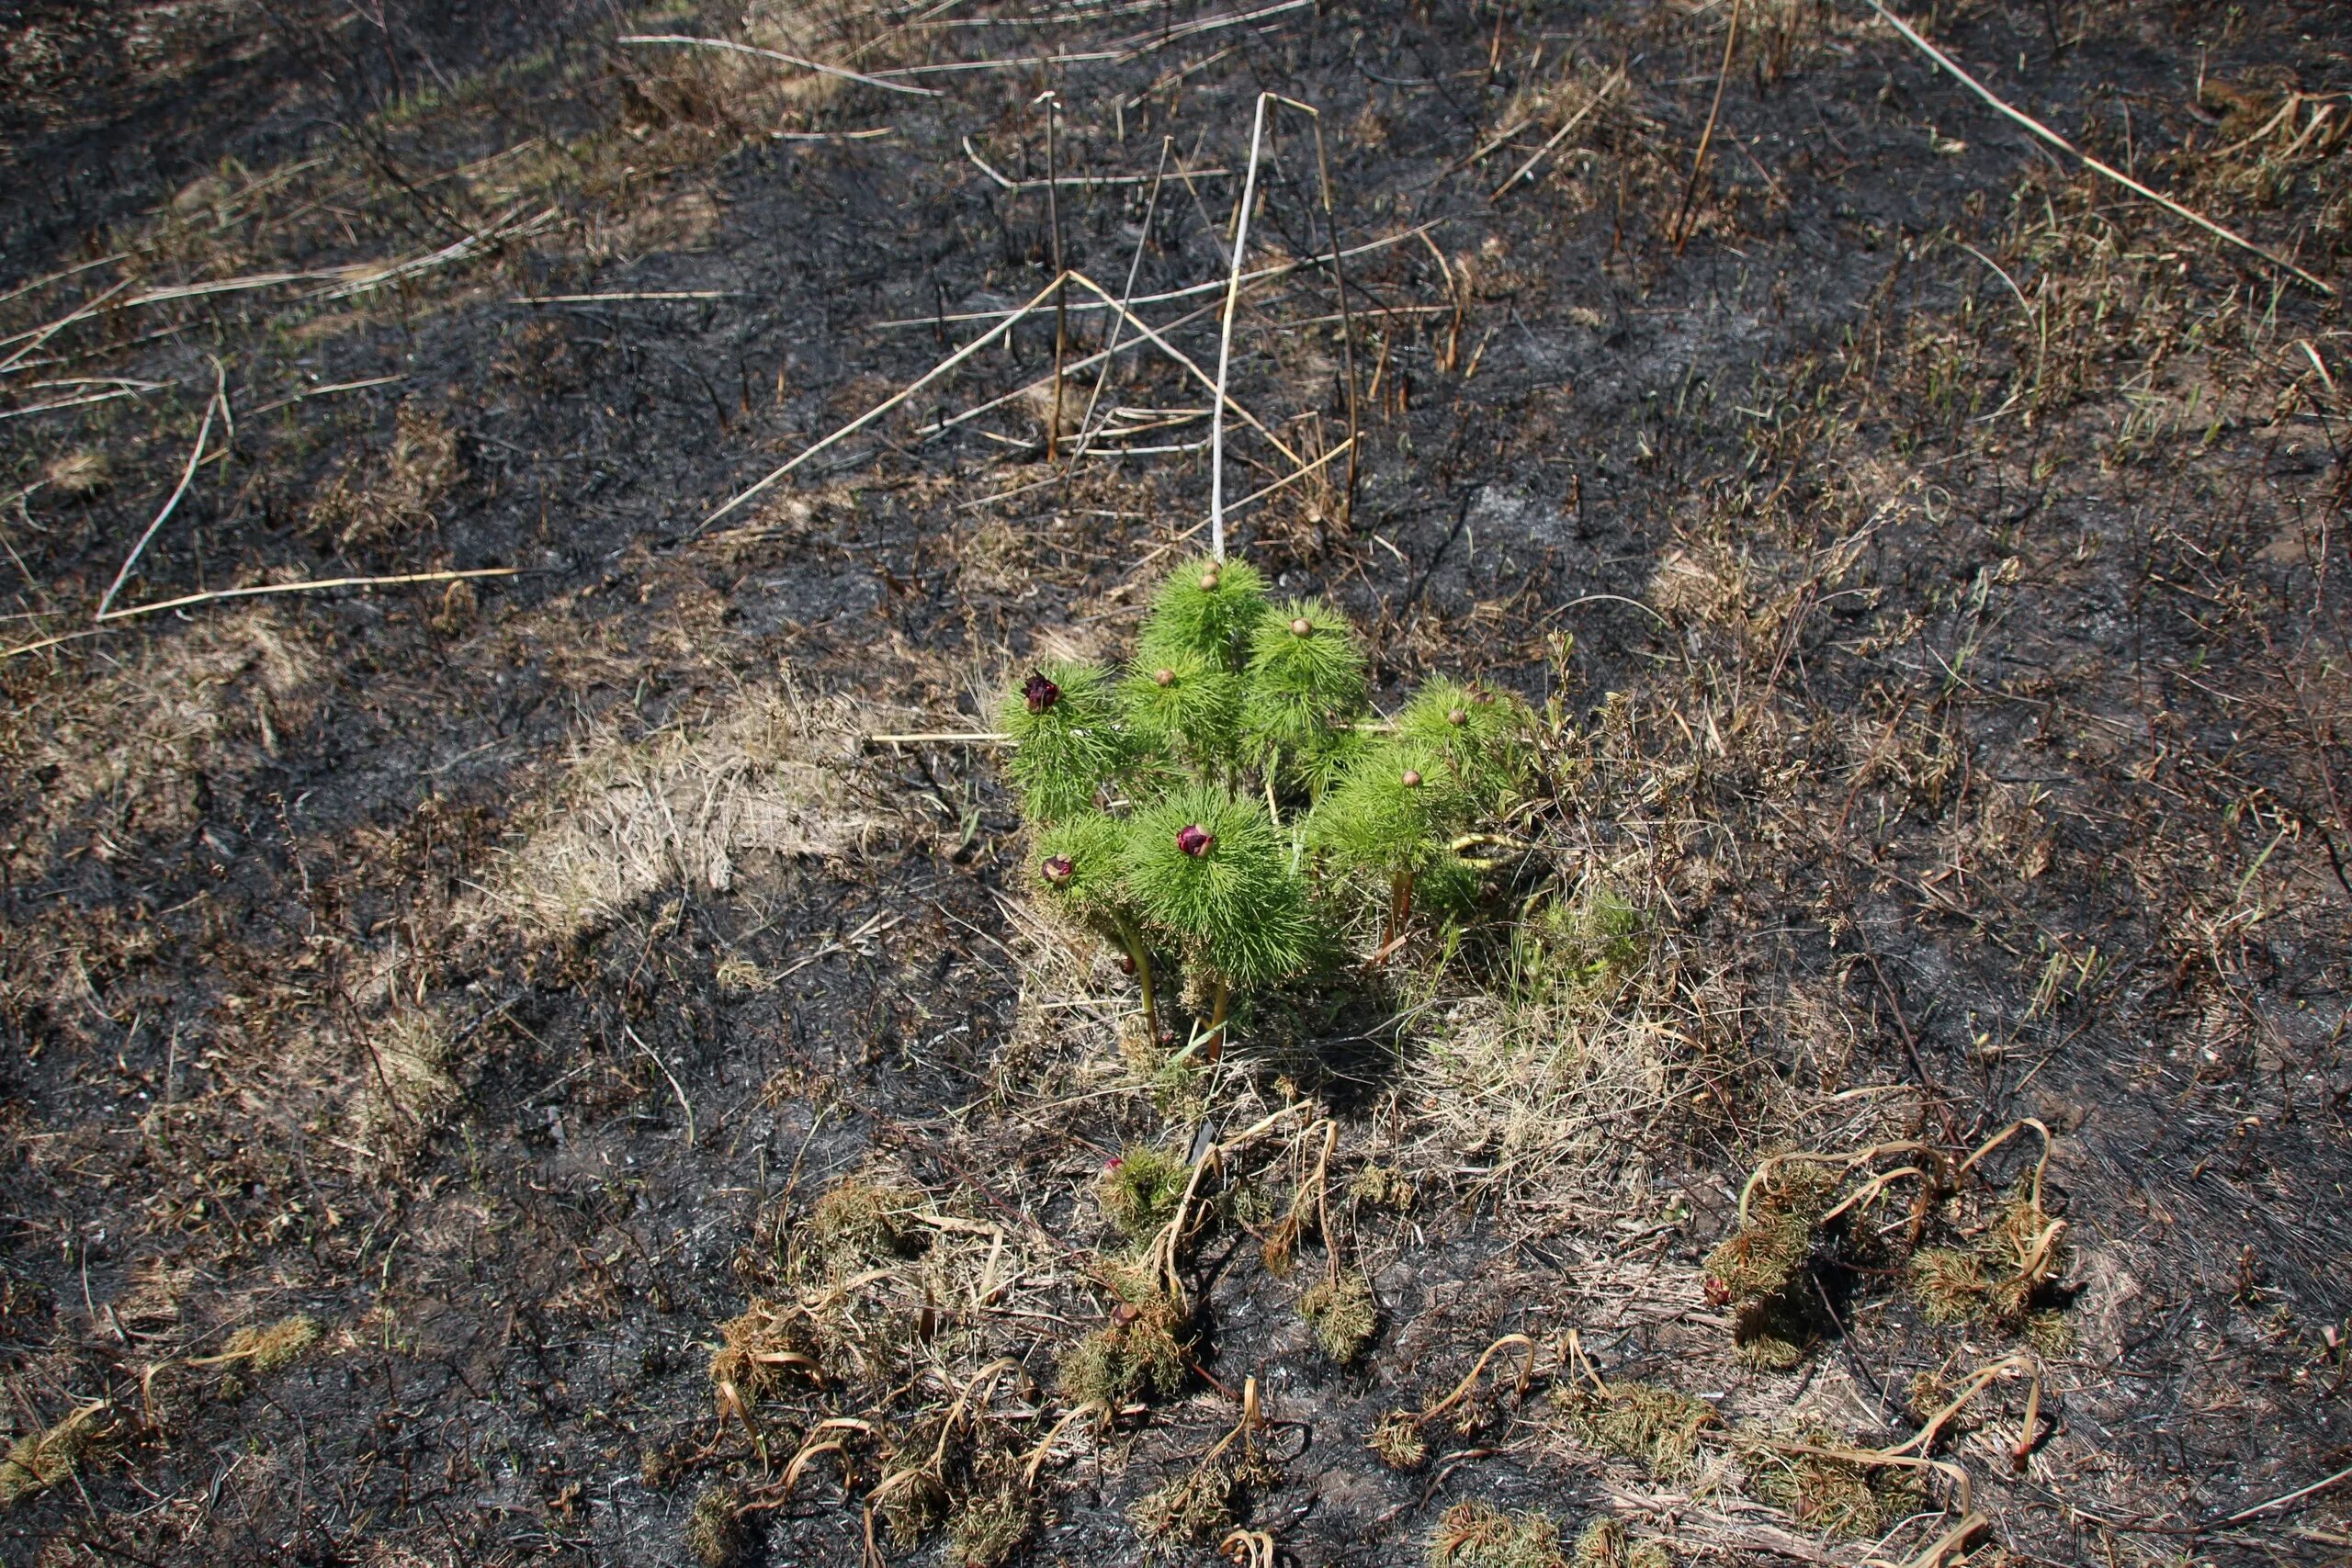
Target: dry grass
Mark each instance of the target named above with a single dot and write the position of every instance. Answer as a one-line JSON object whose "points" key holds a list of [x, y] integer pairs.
{"points": [[123, 752], [769, 773], [40, 1459]]}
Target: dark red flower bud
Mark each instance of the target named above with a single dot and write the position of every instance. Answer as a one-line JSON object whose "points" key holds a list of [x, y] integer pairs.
{"points": [[1412, 779], [1058, 869], [1302, 627], [1126, 964], [1195, 840], [1164, 675], [1125, 1313], [1458, 717], [1039, 693]]}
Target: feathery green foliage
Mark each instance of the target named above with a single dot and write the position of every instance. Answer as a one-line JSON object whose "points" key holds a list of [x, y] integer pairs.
{"points": [[1067, 740], [1145, 791], [1213, 872], [1205, 609], [1392, 811], [1184, 705], [1481, 737], [1307, 686]]}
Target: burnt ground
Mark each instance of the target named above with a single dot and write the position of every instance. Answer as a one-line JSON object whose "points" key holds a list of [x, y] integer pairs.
{"points": [[432, 1013]]}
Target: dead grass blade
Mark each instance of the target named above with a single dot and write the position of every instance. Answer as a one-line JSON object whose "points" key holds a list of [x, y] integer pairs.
{"points": [[886, 404], [1679, 233], [683, 41], [260, 590], [1263, 274], [1225, 336], [2118, 175], [1615, 79], [218, 403]]}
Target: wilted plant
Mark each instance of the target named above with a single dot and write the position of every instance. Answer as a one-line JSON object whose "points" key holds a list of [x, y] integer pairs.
{"points": [[1226, 801]]}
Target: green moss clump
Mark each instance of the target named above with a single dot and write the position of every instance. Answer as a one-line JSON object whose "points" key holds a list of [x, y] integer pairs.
{"points": [[1139, 1191], [990, 1524], [1836, 1497], [1765, 1252], [1383, 1185], [759, 1351], [1654, 1426], [859, 1222], [1479, 1535], [1397, 1440], [720, 1534], [1140, 1351], [1198, 1507], [1604, 1544], [38, 1461], [2003, 1283], [1342, 1314]]}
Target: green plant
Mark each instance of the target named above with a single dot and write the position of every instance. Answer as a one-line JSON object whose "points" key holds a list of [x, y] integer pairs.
{"points": [[1227, 801], [1479, 1535]]}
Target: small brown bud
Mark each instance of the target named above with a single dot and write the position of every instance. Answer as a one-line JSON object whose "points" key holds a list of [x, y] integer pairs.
{"points": [[1126, 964], [1164, 675], [1302, 627], [1208, 580], [1195, 840], [1412, 779], [1058, 869], [1458, 717]]}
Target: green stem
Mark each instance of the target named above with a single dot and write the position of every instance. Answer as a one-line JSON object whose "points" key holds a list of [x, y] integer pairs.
{"points": [[1401, 906], [1132, 940]]}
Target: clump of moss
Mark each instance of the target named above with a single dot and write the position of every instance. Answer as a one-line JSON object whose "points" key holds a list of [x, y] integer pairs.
{"points": [[719, 1533], [859, 1222], [38, 1461], [1398, 1440], [1343, 1313], [1604, 1544], [1656, 1427], [1380, 1186], [1198, 1507], [265, 1348], [1479, 1535], [991, 1522], [2005, 1280], [1140, 1351], [1775, 1242], [1139, 1191], [1837, 1496], [759, 1351]]}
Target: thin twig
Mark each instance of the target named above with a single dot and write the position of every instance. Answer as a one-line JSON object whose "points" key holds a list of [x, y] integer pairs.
{"points": [[675, 1088], [1224, 336], [1682, 235], [261, 589], [878, 410], [1599, 97], [1282, 269], [2126, 181], [187, 476], [1347, 321], [1118, 322]]}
